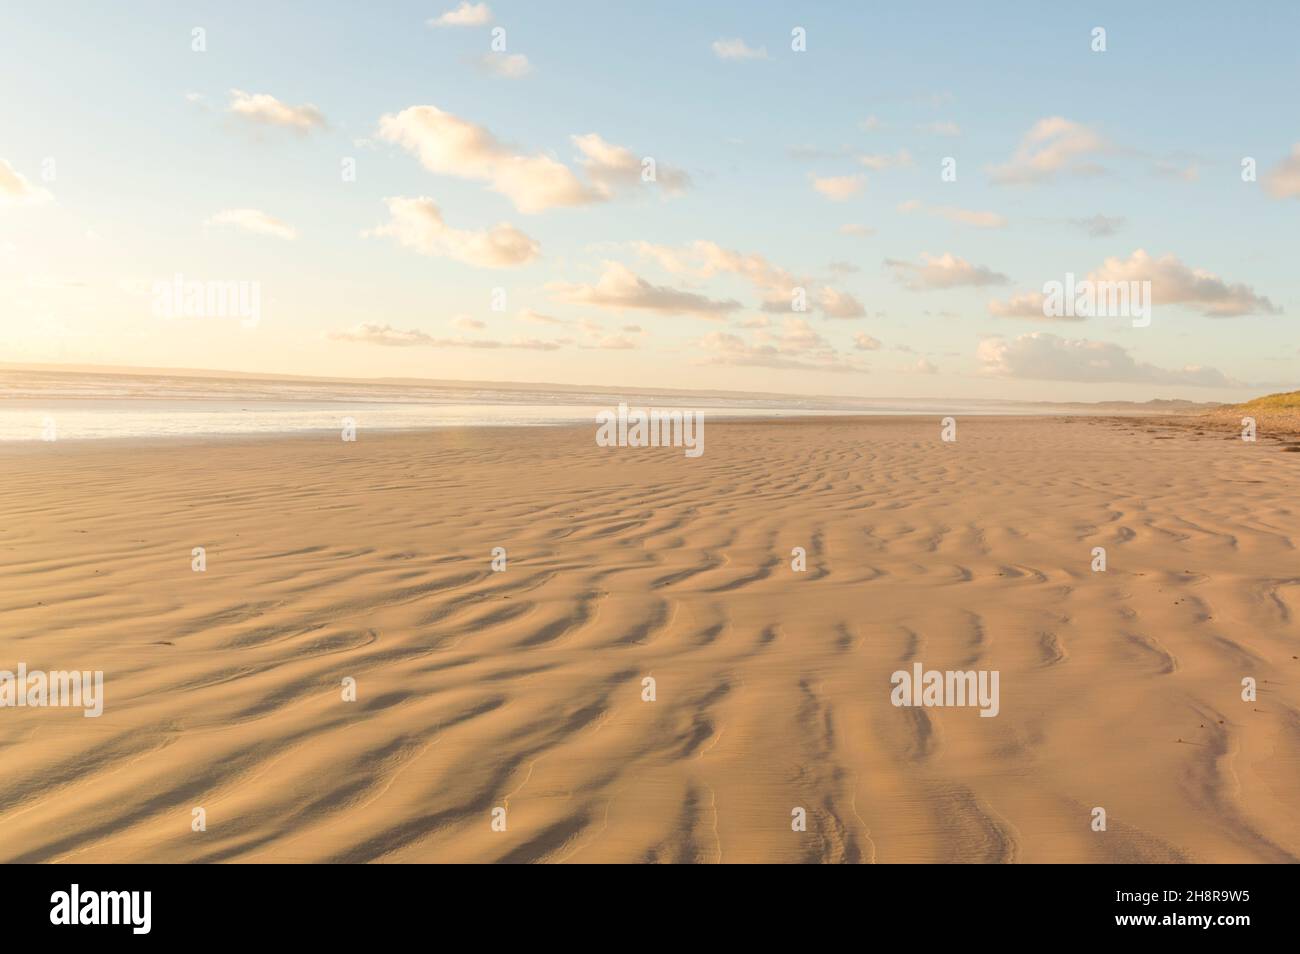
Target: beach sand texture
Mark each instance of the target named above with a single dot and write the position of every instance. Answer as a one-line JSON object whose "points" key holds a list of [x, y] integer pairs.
{"points": [[522, 689]]}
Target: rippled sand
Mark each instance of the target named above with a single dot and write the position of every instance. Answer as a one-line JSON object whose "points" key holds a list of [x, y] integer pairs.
{"points": [[523, 689]]}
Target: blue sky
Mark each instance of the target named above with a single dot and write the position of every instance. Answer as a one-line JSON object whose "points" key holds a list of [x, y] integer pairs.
{"points": [[158, 169]]}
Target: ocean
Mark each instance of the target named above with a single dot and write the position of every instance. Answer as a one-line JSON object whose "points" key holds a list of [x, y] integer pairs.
{"points": [[66, 405]]}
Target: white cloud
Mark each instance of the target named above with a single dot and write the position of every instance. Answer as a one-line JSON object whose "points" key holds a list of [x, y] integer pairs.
{"points": [[448, 145], [266, 109], [839, 188], [467, 14], [864, 342], [506, 65], [837, 304], [1043, 356], [255, 220], [853, 228], [614, 343], [702, 259], [943, 271], [737, 49], [1099, 226], [796, 346], [15, 188], [924, 366], [775, 285], [537, 318], [417, 224], [1054, 145], [377, 334], [619, 288], [1173, 283], [1283, 180], [980, 220], [881, 161], [613, 167], [466, 323], [1027, 305]]}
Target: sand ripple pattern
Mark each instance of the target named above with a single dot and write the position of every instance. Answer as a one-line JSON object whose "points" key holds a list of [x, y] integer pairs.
{"points": [[522, 689]]}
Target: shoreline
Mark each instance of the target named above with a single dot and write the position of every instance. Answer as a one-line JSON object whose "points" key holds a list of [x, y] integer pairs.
{"points": [[1174, 420]]}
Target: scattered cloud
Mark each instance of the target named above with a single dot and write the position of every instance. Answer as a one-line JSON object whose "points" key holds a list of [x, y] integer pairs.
{"points": [[592, 328], [980, 220], [795, 346], [839, 188], [837, 304], [864, 342], [619, 288], [613, 167], [417, 224], [265, 109], [1027, 305], [881, 161], [1054, 145], [1099, 226], [775, 286], [737, 49], [702, 260], [925, 366], [870, 124], [537, 318], [15, 188], [854, 228], [1173, 283], [943, 271], [466, 323], [614, 343], [254, 220], [1283, 180], [465, 15], [377, 334], [506, 65], [448, 145], [1042, 356]]}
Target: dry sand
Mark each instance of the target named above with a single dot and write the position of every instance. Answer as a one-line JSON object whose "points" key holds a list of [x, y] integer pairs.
{"points": [[522, 689]]}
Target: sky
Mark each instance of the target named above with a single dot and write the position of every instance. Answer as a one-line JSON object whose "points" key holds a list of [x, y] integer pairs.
{"points": [[808, 198]]}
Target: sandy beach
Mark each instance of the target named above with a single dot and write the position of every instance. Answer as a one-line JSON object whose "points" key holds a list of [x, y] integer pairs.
{"points": [[523, 689]]}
